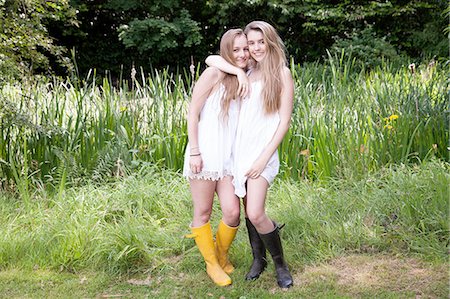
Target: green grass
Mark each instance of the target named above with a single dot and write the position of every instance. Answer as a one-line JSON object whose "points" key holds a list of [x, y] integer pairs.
{"points": [[362, 276], [58, 133], [127, 238], [93, 203]]}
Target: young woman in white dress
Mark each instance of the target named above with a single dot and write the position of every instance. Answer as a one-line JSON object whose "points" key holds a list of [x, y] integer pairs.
{"points": [[264, 119], [212, 122]]}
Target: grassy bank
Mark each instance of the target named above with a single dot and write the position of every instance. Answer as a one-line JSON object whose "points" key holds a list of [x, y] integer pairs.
{"points": [[134, 228]]}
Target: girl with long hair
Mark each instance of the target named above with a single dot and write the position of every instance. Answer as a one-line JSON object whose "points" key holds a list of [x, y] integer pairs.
{"points": [[212, 123], [264, 119]]}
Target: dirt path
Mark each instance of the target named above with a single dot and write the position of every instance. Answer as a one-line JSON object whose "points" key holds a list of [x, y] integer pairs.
{"points": [[359, 274]]}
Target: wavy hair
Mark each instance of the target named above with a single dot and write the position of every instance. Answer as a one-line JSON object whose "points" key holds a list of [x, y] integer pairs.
{"points": [[272, 64], [230, 82]]}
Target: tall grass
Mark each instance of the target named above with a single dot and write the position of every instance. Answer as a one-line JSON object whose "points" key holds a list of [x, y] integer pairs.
{"points": [[138, 223], [74, 132], [345, 123], [349, 123]]}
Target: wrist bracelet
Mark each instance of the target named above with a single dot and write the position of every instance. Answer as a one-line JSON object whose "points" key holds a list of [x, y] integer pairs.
{"points": [[193, 155]]}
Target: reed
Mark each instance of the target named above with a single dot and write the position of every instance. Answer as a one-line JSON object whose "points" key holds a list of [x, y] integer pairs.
{"points": [[57, 133], [348, 123], [88, 131]]}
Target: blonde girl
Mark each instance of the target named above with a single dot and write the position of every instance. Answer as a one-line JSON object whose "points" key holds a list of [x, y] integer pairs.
{"points": [[212, 123], [263, 121]]}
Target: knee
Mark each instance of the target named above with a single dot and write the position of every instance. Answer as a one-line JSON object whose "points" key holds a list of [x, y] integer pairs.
{"points": [[202, 217], [256, 217], [231, 216]]}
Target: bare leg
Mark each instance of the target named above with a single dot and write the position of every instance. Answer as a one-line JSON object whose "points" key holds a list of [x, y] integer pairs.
{"points": [[202, 198], [268, 233], [229, 224], [229, 202], [255, 205]]}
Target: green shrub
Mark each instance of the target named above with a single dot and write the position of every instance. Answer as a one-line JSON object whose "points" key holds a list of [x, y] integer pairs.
{"points": [[368, 49]]}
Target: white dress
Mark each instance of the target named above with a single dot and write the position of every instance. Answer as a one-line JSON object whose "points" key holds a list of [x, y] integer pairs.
{"points": [[255, 130], [216, 136]]}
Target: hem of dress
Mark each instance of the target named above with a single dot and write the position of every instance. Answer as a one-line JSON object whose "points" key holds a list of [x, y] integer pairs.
{"points": [[207, 175], [241, 190]]}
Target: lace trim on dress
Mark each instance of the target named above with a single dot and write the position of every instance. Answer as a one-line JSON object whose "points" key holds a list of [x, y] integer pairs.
{"points": [[209, 175]]}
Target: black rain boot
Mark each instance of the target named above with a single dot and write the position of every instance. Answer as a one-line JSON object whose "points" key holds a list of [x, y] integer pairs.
{"points": [[258, 252], [272, 242]]}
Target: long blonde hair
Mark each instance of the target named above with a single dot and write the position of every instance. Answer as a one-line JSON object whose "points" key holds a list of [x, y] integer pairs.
{"points": [[230, 82], [272, 64]]}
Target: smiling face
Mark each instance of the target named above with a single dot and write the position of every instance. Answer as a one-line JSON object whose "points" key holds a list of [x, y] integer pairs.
{"points": [[256, 45], [240, 51]]}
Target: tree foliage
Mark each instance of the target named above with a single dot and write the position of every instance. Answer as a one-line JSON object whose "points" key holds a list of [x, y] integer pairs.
{"points": [[368, 49], [309, 27], [116, 34], [25, 43], [164, 28]]}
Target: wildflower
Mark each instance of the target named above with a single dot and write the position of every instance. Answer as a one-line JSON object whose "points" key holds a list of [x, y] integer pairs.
{"points": [[393, 117], [412, 68], [305, 152], [133, 73], [363, 149], [123, 108], [434, 146], [388, 127], [192, 67]]}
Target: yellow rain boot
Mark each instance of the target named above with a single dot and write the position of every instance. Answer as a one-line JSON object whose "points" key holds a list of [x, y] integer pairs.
{"points": [[204, 240], [224, 237]]}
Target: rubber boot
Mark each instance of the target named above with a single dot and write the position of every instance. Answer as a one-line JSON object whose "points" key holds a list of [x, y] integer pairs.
{"points": [[272, 242], [204, 240], [224, 237], [258, 251]]}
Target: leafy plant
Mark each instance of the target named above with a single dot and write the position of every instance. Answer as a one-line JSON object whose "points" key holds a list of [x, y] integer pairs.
{"points": [[366, 48], [82, 131], [25, 44]]}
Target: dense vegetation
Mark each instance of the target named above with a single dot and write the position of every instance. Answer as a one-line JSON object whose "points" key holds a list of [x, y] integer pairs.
{"points": [[138, 223], [345, 123], [44, 36], [91, 240], [93, 102]]}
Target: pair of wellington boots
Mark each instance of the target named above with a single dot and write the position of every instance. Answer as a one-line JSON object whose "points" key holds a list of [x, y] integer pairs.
{"points": [[215, 254], [271, 242]]}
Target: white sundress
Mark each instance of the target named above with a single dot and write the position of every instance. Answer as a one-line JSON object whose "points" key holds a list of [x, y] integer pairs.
{"points": [[255, 131], [216, 137]]}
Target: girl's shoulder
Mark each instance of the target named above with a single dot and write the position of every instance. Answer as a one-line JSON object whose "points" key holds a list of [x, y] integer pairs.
{"points": [[213, 74], [285, 74], [285, 71], [210, 78]]}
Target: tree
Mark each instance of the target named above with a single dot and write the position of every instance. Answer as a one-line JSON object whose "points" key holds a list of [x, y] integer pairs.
{"points": [[166, 27], [25, 45], [114, 35]]}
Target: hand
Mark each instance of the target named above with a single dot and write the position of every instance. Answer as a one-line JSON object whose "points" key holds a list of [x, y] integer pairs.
{"points": [[257, 168], [196, 164], [244, 84]]}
